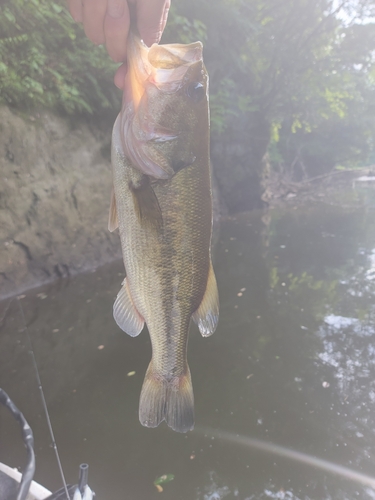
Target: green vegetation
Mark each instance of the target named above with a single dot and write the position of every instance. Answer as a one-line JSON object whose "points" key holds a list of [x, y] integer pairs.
{"points": [[292, 88], [45, 59], [292, 82]]}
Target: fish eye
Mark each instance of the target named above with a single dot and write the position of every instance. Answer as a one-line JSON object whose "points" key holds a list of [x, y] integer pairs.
{"points": [[196, 91]]}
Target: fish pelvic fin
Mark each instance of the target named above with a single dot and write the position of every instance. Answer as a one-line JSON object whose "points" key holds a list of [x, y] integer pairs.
{"points": [[125, 313], [169, 400], [207, 314], [112, 220], [146, 205]]}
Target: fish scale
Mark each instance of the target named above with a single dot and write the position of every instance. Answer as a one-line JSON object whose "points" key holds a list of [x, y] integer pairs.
{"points": [[165, 224]]}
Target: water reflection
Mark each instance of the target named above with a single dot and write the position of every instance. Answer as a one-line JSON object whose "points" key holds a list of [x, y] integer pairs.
{"points": [[291, 367]]}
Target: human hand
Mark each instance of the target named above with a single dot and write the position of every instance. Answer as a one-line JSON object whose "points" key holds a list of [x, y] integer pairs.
{"points": [[107, 22]]}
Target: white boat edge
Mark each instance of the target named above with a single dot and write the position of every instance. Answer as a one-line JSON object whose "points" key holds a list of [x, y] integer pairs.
{"points": [[36, 492]]}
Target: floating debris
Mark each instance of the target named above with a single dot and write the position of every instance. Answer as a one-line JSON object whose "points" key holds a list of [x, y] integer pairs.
{"points": [[100, 347], [239, 294], [164, 479], [192, 456], [249, 376], [21, 296], [325, 384], [243, 290], [42, 296], [130, 374], [55, 330]]}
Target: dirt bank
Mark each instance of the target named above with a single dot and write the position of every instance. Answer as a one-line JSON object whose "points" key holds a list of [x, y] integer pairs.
{"points": [[54, 199]]}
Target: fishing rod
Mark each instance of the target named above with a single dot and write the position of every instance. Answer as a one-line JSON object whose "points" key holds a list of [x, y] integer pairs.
{"points": [[12, 488], [40, 387], [82, 491], [28, 439]]}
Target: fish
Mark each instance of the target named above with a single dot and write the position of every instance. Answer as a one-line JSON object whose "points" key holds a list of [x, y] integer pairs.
{"points": [[162, 204]]}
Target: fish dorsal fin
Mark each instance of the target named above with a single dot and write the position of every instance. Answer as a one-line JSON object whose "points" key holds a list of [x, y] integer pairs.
{"points": [[125, 313], [112, 220], [207, 314], [146, 205]]}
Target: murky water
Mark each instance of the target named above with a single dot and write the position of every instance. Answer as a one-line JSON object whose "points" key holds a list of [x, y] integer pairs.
{"points": [[284, 390]]}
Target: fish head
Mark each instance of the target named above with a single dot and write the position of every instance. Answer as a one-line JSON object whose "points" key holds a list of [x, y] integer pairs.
{"points": [[165, 108]]}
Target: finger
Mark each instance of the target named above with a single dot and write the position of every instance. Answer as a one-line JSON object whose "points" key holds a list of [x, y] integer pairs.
{"points": [[76, 10], [116, 28], [151, 19], [167, 6], [120, 76], [94, 12]]}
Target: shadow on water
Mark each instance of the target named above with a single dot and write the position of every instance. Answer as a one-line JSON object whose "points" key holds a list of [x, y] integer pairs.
{"points": [[284, 390]]}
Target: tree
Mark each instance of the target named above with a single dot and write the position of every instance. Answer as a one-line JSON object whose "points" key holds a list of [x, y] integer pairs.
{"points": [[276, 73], [290, 80]]}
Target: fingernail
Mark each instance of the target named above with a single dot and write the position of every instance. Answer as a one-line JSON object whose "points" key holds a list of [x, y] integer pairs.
{"points": [[115, 8]]}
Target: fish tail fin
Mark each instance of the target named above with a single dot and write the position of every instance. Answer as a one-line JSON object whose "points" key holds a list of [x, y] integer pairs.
{"points": [[169, 400]]}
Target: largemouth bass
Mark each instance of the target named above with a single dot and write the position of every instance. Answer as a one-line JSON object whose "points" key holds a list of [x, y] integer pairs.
{"points": [[162, 204]]}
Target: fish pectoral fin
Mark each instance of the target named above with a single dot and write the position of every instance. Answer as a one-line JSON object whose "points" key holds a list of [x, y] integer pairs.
{"points": [[207, 314], [146, 205], [169, 400], [125, 313], [112, 219]]}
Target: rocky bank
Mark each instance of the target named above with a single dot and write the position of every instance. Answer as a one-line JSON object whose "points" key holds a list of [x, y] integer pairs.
{"points": [[55, 185]]}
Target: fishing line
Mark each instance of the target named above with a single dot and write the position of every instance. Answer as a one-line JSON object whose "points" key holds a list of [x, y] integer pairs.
{"points": [[40, 387], [282, 451]]}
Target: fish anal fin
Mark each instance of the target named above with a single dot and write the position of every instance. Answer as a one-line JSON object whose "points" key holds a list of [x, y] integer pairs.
{"points": [[125, 313], [207, 314], [146, 205], [112, 220], [169, 400]]}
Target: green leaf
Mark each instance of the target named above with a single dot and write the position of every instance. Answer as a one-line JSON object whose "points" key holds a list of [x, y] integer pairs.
{"points": [[165, 478]]}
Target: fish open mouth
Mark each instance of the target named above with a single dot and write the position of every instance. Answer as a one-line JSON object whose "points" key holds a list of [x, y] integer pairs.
{"points": [[170, 64], [164, 66]]}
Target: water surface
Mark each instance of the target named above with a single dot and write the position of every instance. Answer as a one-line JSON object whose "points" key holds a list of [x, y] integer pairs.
{"points": [[284, 390]]}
